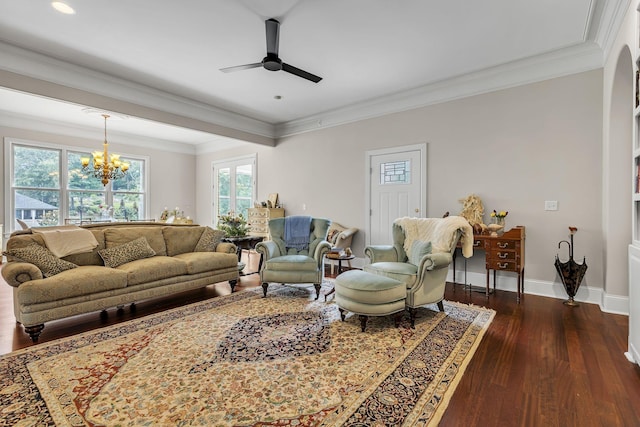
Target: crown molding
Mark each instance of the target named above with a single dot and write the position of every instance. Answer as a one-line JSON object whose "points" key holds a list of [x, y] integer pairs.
{"points": [[570, 60], [34, 72], [606, 28], [19, 121]]}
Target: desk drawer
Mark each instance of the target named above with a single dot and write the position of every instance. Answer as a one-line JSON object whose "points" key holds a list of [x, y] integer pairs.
{"points": [[503, 244], [478, 244], [495, 264], [502, 255]]}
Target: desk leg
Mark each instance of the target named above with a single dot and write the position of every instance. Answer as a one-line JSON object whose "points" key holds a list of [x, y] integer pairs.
{"points": [[487, 291]]}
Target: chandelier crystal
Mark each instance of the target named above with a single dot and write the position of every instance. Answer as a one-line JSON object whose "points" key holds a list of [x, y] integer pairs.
{"points": [[103, 169]]}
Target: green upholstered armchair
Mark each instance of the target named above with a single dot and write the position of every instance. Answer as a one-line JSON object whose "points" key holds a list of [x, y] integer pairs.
{"points": [[284, 264], [420, 255]]}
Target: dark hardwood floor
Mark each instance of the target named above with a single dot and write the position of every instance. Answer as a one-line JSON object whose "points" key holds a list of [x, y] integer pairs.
{"points": [[541, 363]]}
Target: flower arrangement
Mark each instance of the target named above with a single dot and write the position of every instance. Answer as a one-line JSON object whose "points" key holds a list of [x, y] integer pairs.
{"points": [[499, 215], [233, 225]]}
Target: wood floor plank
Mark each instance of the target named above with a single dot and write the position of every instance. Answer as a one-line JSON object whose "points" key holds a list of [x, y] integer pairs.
{"points": [[540, 363]]}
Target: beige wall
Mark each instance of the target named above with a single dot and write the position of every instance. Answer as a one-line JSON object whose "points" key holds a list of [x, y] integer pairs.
{"points": [[171, 175], [514, 148]]}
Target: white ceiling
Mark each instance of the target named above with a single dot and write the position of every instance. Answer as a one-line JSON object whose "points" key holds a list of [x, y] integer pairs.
{"points": [[375, 56]]}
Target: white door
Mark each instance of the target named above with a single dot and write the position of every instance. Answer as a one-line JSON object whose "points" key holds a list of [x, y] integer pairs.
{"points": [[397, 188]]}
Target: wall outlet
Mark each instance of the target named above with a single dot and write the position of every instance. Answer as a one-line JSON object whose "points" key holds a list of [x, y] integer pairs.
{"points": [[304, 206], [550, 205]]}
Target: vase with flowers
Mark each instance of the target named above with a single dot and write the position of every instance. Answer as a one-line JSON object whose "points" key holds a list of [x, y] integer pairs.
{"points": [[233, 225], [498, 217]]}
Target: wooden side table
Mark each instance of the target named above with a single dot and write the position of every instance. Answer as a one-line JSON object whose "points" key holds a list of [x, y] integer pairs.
{"points": [[248, 243]]}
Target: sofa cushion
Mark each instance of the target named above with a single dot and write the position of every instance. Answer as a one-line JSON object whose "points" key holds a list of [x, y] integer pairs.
{"points": [[180, 240], [152, 269], [199, 262], [89, 258], [209, 240], [127, 252], [84, 280], [41, 257], [121, 235], [419, 248]]}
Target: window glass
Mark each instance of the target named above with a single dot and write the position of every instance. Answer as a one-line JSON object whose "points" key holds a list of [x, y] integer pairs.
{"points": [[49, 187], [395, 172]]}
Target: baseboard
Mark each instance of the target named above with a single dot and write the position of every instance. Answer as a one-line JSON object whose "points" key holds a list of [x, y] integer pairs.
{"points": [[633, 355], [615, 304]]}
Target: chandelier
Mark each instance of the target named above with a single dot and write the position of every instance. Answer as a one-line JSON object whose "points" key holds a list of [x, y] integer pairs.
{"points": [[104, 167]]}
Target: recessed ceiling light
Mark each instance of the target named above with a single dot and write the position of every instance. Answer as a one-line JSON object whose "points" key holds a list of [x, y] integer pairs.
{"points": [[63, 7]]}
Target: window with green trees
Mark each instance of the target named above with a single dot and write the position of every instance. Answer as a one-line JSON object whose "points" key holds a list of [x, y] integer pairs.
{"points": [[234, 187], [48, 187]]}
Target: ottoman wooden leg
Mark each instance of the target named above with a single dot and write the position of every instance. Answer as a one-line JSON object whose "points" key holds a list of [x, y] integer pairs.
{"points": [[441, 306], [342, 314], [363, 322]]}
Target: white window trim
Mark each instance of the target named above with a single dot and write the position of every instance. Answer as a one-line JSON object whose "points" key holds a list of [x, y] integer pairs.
{"points": [[9, 210], [251, 158]]}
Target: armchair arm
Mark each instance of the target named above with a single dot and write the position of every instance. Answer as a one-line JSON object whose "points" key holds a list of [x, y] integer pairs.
{"points": [[381, 253], [345, 236], [321, 250], [16, 273], [435, 261], [227, 248], [268, 249]]}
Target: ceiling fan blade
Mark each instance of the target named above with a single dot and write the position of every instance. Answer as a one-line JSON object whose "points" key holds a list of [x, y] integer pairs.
{"points": [[273, 36], [241, 67], [300, 73]]}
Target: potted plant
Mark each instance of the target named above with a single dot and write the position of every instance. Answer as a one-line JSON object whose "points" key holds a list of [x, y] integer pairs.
{"points": [[233, 225]]}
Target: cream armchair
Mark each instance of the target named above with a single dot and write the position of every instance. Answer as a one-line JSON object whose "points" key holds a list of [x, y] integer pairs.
{"points": [[290, 265], [420, 255]]}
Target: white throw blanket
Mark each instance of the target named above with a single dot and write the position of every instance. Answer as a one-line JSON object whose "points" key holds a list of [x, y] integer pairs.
{"points": [[67, 240], [441, 232]]}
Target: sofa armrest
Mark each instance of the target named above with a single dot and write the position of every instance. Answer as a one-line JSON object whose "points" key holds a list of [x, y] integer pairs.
{"points": [[16, 273], [227, 248], [268, 249], [381, 253]]}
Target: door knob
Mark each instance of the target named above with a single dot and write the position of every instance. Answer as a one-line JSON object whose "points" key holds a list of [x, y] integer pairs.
{"points": [[417, 210]]}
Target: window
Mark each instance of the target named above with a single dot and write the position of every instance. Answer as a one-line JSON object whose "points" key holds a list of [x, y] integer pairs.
{"points": [[48, 187], [234, 186]]}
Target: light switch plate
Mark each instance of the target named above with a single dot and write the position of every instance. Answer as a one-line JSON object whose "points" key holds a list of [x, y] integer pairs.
{"points": [[550, 205]]}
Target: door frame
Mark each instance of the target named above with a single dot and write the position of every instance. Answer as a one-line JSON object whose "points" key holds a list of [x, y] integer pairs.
{"points": [[422, 148]]}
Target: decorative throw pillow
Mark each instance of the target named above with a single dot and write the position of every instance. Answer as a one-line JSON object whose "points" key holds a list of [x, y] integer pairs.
{"points": [[122, 254], [419, 248], [209, 240], [41, 257]]}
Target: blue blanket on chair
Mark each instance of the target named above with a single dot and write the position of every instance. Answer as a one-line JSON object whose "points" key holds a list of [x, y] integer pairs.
{"points": [[296, 232]]}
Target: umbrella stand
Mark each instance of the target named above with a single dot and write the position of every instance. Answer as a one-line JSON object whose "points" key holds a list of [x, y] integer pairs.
{"points": [[571, 273]]}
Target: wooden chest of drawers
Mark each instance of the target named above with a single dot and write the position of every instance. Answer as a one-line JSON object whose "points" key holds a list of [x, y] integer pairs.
{"points": [[258, 220]]}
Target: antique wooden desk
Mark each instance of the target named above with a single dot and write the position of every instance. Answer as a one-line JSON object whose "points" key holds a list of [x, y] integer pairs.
{"points": [[503, 253]]}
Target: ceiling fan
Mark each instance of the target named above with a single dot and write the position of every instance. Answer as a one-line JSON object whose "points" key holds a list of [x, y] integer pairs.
{"points": [[272, 62]]}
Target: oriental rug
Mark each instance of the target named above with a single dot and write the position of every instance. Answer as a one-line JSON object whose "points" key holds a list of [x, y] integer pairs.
{"points": [[244, 360]]}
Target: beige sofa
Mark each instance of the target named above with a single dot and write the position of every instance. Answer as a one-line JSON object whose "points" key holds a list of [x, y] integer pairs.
{"points": [[169, 265]]}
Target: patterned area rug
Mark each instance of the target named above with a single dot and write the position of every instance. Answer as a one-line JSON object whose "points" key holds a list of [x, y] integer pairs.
{"points": [[244, 360]]}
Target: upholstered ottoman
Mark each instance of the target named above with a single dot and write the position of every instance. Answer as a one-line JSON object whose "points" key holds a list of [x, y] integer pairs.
{"points": [[368, 294]]}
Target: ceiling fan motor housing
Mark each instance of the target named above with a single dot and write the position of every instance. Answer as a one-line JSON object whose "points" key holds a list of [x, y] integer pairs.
{"points": [[272, 63]]}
